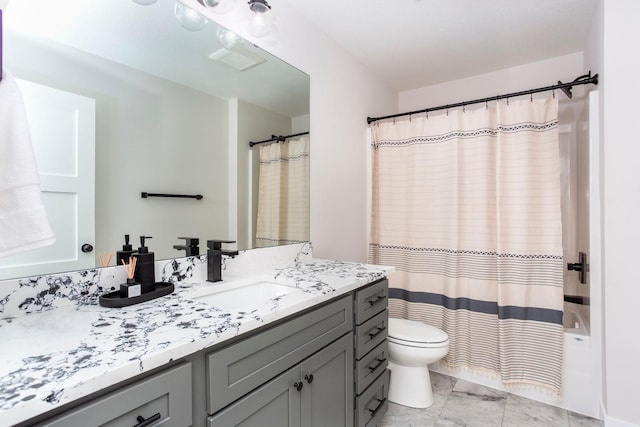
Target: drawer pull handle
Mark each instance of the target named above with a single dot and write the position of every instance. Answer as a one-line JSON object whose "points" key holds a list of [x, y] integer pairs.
{"points": [[380, 405], [373, 302], [309, 378], [142, 422], [377, 332], [298, 385], [380, 362]]}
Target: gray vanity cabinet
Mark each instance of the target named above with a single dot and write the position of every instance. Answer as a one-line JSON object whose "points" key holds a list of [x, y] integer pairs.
{"points": [[371, 353], [316, 392], [327, 393], [325, 366], [277, 403], [163, 399], [237, 369]]}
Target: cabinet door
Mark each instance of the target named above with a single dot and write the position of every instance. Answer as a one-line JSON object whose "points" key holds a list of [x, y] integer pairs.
{"points": [[235, 370], [277, 403], [327, 394]]}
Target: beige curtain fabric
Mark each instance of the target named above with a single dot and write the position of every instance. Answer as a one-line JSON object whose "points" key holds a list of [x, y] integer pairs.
{"points": [[466, 206], [283, 193]]}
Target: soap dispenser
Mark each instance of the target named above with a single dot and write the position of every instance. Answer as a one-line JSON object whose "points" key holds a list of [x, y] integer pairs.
{"points": [[145, 272], [125, 253]]}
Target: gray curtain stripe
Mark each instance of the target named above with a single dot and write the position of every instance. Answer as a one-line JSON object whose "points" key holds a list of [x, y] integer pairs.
{"points": [[487, 307]]}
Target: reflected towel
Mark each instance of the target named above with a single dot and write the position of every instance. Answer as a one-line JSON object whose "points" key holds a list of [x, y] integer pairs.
{"points": [[23, 218]]}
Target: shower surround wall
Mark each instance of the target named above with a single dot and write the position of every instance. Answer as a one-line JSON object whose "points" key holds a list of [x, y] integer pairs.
{"points": [[582, 376]]}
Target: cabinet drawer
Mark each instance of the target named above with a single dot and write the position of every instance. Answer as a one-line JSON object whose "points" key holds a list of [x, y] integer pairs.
{"points": [[165, 397], [371, 365], [371, 300], [371, 333], [372, 404], [239, 368]]}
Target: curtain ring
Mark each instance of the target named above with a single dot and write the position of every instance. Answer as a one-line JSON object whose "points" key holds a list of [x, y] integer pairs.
{"points": [[409, 117], [426, 113], [553, 92], [531, 94], [447, 111], [486, 104], [394, 120], [507, 101], [464, 108]]}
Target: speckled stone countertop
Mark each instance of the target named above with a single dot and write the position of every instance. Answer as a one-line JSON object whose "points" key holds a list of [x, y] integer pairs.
{"points": [[53, 356]]}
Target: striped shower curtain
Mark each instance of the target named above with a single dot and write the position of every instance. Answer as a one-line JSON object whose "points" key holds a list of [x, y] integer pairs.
{"points": [[466, 206], [283, 193]]}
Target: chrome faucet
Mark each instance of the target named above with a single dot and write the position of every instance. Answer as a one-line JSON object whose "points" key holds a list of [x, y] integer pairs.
{"points": [[214, 258]]}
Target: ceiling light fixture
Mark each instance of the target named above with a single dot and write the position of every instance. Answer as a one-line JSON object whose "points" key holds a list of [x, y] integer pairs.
{"points": [[260, 21], [145, 2], [189, 18]]}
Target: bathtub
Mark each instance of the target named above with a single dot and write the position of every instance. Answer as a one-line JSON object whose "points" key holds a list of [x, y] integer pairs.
{"points": [[578, 385], [579, 390], [576, 320]]}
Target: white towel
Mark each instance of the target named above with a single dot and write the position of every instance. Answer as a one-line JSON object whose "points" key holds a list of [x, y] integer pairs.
{"points": [[23, 218]]}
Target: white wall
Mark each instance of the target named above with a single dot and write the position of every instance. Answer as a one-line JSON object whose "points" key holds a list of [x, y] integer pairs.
{"points": [[594, 60], [621, 207], [300, 123], [343, 94], [151, 135], [527, 76]]}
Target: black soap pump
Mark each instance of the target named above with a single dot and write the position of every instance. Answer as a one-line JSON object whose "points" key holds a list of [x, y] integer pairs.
{"points": [[145, 272], [125, 253]]}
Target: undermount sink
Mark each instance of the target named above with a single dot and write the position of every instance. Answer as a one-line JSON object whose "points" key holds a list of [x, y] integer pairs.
{"points": [[259, 297]]}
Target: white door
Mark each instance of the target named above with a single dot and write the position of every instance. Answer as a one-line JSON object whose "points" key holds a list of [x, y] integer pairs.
{"points": [[62, 128]]}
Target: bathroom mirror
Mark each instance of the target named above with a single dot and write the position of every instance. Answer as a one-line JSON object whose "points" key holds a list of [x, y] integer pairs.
{"points": [[174, 111]]}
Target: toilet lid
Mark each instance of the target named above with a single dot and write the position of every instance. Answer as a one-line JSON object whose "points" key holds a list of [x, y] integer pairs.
{"points": [[413, 331]]}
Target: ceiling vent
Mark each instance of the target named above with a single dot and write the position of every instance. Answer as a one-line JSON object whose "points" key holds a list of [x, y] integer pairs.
{"points": [[237, 58]]}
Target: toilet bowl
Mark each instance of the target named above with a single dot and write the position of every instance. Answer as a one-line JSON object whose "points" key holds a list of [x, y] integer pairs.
{"points": [[412, 346]]}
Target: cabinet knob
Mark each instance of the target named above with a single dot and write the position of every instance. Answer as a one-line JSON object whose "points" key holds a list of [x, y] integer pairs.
{"points": [[86, 248], [298, 385], [309, 378]]}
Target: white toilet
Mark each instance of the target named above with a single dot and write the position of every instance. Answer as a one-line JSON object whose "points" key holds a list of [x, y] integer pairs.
{"points": [[412, 346]]}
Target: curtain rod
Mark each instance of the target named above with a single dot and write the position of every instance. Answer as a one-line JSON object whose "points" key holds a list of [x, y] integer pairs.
{"points": [[278, 138], [565, 87]]}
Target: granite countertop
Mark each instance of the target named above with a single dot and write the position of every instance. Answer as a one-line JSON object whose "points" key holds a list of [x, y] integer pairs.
{"points": [[53, 357]]}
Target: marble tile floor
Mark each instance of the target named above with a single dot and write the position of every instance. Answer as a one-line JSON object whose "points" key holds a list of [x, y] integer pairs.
{"points": [[461, 403]]}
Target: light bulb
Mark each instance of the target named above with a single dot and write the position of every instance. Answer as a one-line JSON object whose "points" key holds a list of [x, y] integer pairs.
{"points": [[189, 18], [228, 38], [258, 25], [260, 20], [145, 2], [219, 6]]}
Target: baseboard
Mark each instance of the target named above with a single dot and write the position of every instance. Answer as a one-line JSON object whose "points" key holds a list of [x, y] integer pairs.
{"points": [[613, 422]]}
